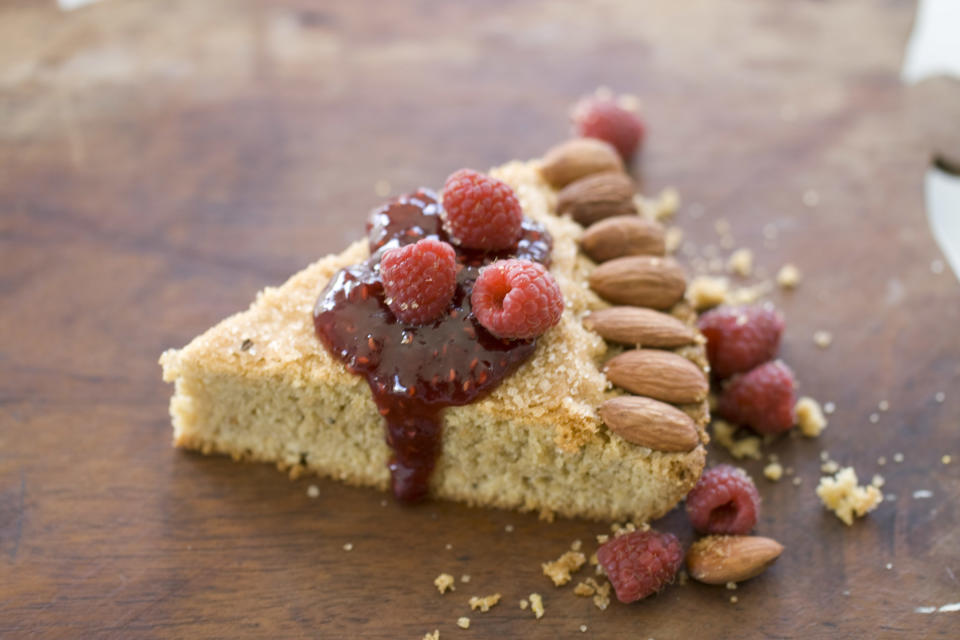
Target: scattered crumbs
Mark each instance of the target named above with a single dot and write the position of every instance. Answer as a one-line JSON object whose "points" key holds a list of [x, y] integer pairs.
{"points": [[448, 546], [722, 226], [583, 628], [822, 338], [732, 586], [797, 481], [601, 600], [889, 566], [546, 515], [741, 262], [788, 471], [560, 569], [484, 603], [746, 447], [824, 455], [924, 609], [524, 604], [508, 528], [922, 494], [705, 292], [465, 578], [773, 471], [830, 466], [829, 408], [536, 604], [348, 546], [432, 636], [882, 461], [810, 418], [313, 491], [576, 544], [810, 198], [734, 599], [593, 558], [383, 503], [844, 497], [625, 528], [898, 457], [846, 592], [463, 622], [946, 459], [443, 582], [749, 295], [788, 277], [949, 608], [874, 418], [602, 538], [883, 405], [381, 188], [584, 589], [940, 396], [936, 267], [673, 239], [878, 480]]}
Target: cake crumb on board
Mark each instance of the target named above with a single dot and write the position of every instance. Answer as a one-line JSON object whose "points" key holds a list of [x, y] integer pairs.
{"points": [[536, 604], [810, 418], [773, 471], [444, 582], [822, 339], [560, 569], [463, 622], [434, 635], [484, 603], [788, 277], [844, 497]]}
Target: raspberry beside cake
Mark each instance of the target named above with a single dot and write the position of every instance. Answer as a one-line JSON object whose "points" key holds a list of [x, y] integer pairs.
{"points": [[261, 386]]}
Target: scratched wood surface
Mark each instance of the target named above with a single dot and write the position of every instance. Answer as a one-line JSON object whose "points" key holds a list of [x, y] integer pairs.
{"points": [[161, 162]]}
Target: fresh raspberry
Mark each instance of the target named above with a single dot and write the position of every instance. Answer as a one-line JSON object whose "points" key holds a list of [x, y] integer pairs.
{"points": [[762, 399], [597, 117], [640, 563], [740, 338], [725, 500], [481, 212], [516, 299], [419, 280]]}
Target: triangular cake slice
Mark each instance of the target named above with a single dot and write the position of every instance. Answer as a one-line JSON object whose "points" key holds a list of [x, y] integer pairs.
{"points": [[260, 386]]}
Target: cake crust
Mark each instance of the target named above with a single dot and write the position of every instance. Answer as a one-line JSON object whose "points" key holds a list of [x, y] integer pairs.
{"points": [[260, 386]]}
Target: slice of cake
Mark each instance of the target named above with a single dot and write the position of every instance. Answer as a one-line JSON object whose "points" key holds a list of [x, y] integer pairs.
{"points": [[308, 376]]}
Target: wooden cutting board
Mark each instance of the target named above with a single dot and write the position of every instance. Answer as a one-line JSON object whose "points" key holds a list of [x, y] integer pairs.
{"points": [[161, 162]]}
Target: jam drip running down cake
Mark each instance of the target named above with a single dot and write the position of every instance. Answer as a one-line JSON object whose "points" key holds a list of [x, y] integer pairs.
{"points": [[415, 371]]}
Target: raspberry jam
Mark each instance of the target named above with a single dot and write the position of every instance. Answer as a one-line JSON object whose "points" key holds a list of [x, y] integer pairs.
{"points": [[415, 372]]}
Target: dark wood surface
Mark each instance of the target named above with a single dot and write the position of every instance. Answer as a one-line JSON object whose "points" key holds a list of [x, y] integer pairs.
{"points": [[161, 162]]}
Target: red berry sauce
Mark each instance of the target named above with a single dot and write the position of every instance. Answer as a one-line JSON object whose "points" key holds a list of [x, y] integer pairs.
{"points": [[415, 372]]}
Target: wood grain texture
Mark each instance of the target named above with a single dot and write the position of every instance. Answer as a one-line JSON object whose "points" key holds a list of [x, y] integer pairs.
{"points": [[160, 162]]}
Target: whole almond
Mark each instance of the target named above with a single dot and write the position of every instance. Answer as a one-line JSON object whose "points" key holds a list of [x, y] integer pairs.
{"points": [[643, 327], [723, 559], [576, 158], [661, 375], [620, 236], [650, 423], [641, 281], [597, 196]]}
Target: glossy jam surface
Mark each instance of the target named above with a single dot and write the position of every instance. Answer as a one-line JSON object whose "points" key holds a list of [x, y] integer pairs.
{"points": [[416, 371]]}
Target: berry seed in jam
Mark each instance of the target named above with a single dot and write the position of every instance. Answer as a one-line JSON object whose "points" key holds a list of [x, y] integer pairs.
{"points": [[414, 372]]}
